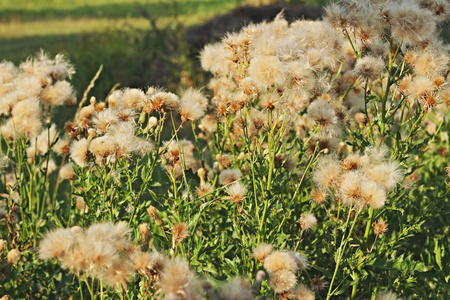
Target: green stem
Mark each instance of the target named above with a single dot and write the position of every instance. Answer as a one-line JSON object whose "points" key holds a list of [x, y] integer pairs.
{"points": [[263, 219], [363, 250], [341, 250], [91, 292]]}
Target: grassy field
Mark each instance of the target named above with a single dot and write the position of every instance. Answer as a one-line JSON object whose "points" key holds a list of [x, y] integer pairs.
{"points": [[130, 38], [137, 41]]}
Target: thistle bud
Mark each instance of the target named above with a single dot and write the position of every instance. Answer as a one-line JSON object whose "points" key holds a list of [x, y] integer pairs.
{"points": [[152, 122], [144, 232], [142, 118], [154, 214], [2, 246], [13, 256]]}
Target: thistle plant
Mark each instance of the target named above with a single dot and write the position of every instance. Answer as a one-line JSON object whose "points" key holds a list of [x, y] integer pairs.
{"points": [[305, 169]]}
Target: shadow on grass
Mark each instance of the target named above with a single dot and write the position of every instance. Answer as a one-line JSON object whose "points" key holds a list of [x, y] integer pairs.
{"points": [[122, 10]]}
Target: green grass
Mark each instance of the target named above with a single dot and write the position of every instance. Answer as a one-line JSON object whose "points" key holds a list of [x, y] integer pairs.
{"points": [[135, 40]]}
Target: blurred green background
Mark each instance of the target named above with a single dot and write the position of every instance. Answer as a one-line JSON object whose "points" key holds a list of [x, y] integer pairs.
{"points": [[139, 42]]}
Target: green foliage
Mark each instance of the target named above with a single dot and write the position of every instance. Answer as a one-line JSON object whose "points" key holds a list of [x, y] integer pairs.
{"points": [[167, 171]]}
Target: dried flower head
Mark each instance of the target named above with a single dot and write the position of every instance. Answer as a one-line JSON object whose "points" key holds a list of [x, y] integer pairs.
{"points": [[282, 281], [380, 227], [144, 232], [267, 71], [229, 176], [103, 146], [67, 172], [307, 221], [350, 188], [322, 112], [204, 189], [56, 243], [236, 289], [176, 279], [369, 68], [373, 194], [153, 212], [278, 261], [318, 284], [262, 251], [179, 233], [411, 24], [387, 295], [301, 260], [301, 292], [57, 94], [2, 246], [208, 123], [387, 175], [318, 196], [13, 256], [79, 152], [236, 191], [151, 264], [328, 172], [133, 98]]}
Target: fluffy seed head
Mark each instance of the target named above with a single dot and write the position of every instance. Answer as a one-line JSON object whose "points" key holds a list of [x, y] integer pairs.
{"points": [[229, 176], [67, 172], [57, 94], [190, 110], [2, 246], [103, 146], [369, 68], [282, 281], [387, 295], [192, 95], [237, 289], [301, 292], [350, 188], [237, 192], [151, 264], [208, 123], [13, 257], [380, 227], [262, 251], [322, 112], [180, 232], [411, 24], [79, 152], [278, 261], [421, 87], [104, 120], [318, 196], [387, 175], [133, 98], [176, 278], [307, 221], [204, 189], [373, 194], [164, 101], [328, 172], [56, 243], [301, 260], [267, 70], [354, 162]]}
